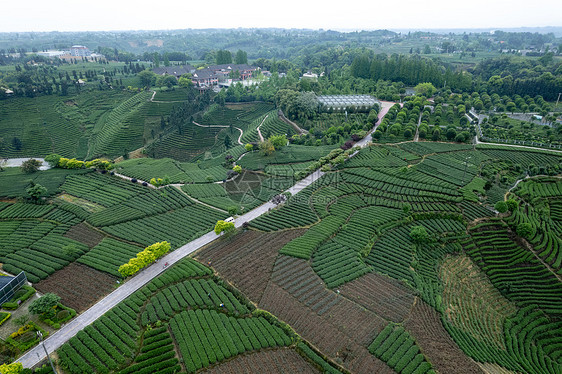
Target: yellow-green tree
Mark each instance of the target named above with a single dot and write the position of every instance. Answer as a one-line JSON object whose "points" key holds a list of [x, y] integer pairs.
{"points": [[144, 258], [223, 226], [267, 147], [159, 249], [13, 368], [126, 270]]}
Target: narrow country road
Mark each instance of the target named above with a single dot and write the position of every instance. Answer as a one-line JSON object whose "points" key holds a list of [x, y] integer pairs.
{"points": [[385, 106]]}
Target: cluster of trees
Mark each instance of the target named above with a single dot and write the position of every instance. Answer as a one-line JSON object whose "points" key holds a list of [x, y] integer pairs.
{"points": [[272, 144], [56, 160], [296, 105], [144, 258], [224, 56], [410, 70], [31, 80]]}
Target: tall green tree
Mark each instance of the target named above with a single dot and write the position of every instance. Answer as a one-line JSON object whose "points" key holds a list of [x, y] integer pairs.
{"points": [[223, 57], [241, 57], [35, 192]]}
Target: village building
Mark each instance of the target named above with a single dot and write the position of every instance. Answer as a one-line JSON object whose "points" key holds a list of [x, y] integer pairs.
{"points": [[177, 71], [80, 51]]}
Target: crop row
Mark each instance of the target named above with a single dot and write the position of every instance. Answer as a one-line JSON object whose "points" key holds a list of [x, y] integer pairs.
{"points": [[523, 157], [44, 257], [108, 255], [364, 224], [111, 135], [22, 234], [295, 213], [207, 190], [516, 272], [20, 210], [184, 269], [62, 216], [177, 227], [156, 355], [304, 245], [106, 344], [205, 336], [392, 255], [337, 264], [101, 189], [395, 346], [424, 148], [190, 294], [473, 211], [149, 203], [393, 185], [274, 126]]}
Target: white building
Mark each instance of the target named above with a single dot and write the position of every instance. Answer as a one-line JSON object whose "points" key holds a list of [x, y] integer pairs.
{"points": [[51, 54], [80, 51]]}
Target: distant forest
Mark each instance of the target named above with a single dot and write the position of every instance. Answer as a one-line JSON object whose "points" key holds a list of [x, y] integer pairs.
{"points": [[503, 63]]}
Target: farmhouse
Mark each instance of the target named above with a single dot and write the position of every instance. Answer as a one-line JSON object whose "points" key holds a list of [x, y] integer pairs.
{"points": [[215, 74], [205, 77]]}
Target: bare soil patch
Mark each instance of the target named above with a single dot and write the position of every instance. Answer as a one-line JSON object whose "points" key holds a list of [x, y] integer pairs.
{"points": [[84, 234], [340, 333], [275, 361], [79, 286], [247, 259], [381, 295], [444, 354]]}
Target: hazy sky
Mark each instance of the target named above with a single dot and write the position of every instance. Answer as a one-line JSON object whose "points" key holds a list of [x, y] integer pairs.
{"points": [[72, 15]]}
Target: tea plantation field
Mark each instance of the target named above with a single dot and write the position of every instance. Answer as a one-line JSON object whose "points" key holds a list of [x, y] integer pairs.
{"points": [[398, 259]]}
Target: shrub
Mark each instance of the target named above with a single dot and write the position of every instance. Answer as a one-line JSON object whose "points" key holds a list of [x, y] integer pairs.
{"points": [[31, 166], [512, 205], [53, 159], [45, 304], [63, 314], [525, 230], [4, 317], [501, 206]]}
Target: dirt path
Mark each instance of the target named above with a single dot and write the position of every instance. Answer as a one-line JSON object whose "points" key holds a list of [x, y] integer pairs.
{"points": [[417, 136], [159, 101], [224, 127], [178, 186], [259, 132], [299, 130]]}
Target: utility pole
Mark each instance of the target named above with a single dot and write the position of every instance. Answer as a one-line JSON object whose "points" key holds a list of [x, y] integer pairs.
{"points": [[40, 335], [558, 100]]}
